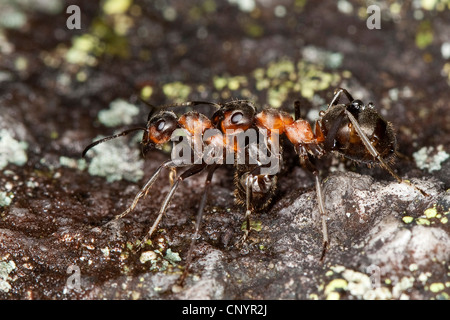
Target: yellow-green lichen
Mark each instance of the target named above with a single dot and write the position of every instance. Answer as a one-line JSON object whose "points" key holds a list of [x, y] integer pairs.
{"points": [[438, 5], [79, 164], [423, 221], [146, 92], [120, 112], [5, 269], [11, 150], [232, 83], [407, 219], [431, 212], [254, 225], [424, 35], [5, 198], [284, 76], [436, 287], [116, 6], [81, 51], [333, 286]]}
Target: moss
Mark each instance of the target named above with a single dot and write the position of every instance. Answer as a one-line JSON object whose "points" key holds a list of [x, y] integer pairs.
{"points": [[423, 221], [146, 92], [430, 158], [431, 212], [5, 269], [333, 286], [148, 256], [436, 287], [79, 164], [254, 225], [172, 257], [116, 6], [407, 219], [176, 91], [424, 35], [5, 199], [115, 160]]}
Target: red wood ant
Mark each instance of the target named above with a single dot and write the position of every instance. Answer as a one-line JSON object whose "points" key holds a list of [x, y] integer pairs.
{"points": [[353, 130]]}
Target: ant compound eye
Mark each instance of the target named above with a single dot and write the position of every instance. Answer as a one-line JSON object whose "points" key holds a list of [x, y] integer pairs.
{"points": [[160, 126], [237, 117]]}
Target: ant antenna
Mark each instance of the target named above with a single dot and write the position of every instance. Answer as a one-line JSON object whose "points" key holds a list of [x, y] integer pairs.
{"points": [[110, 138]]}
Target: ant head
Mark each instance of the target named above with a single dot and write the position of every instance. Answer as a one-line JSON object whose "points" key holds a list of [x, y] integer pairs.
{"points": [[235, 115], [159, 130]]}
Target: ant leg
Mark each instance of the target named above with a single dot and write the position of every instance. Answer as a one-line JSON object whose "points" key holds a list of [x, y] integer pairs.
{"points": [[143, 192], [306, 163], [186, 174], [375, 153], [323, 215], [297, 110], [301, 108], [197, 223], [332, 132]]}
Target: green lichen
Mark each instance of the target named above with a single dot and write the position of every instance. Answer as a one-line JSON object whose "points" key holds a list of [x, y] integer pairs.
{"points": [[115, 160], [176, 91], [424, 35], [146, 92], [231, 83], [333, 286], [436, 287], [5, 199], [172, 257], [254, 225], [116, 6], [107, 35], [13, 14], [79, 164], [284, 76], [407, 219], [431, 212], [430, 158], [82, 49], [423, 221], [5, 269], [148, 256], [438, 5]]}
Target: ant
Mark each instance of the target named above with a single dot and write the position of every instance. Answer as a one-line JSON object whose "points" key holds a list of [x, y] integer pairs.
{"points": [[354, 130]]}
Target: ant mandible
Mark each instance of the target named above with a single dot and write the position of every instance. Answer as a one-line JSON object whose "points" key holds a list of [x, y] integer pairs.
{"points": [[353, 130]]}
